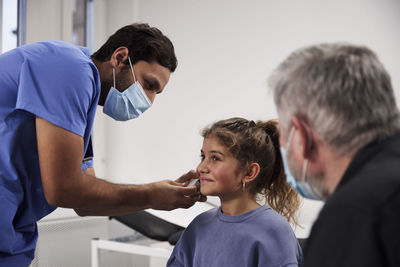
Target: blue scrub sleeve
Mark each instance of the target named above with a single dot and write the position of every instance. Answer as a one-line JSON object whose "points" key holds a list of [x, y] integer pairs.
{"points": [[59, 91], [87, 164]]}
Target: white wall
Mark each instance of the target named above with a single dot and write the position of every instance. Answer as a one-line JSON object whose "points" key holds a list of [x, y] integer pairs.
{"points": [[226, 50]]}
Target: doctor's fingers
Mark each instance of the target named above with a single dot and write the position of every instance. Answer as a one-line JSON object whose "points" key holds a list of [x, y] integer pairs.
{"points": [[187, 177], [186, 190], [202, 198], [182, 189], [179, 198]]}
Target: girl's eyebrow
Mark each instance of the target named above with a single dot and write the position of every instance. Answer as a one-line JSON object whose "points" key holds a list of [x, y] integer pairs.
{"points": [[213, 151], [216, 152]]}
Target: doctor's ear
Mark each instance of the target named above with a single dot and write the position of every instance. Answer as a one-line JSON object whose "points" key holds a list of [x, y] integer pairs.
{"points": [[119, 56]]}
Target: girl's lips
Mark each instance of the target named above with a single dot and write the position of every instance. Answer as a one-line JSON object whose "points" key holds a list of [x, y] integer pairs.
{"points": [[205, 180]]}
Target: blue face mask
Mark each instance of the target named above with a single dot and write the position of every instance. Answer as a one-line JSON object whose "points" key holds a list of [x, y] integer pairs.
{"points": [[126, 105], [302, 186]]}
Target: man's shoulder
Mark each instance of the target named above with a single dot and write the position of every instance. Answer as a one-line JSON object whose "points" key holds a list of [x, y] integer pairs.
{"points": [[55, 52], [373, 179], [350, 230], [49, 47], [362, 199], [360, 213], [58, 61]]}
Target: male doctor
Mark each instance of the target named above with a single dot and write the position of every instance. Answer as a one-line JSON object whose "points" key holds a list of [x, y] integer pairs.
{"points": [[49, 93]]}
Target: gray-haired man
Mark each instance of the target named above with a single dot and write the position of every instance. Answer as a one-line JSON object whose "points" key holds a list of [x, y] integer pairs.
{"points": [[341, 129]]}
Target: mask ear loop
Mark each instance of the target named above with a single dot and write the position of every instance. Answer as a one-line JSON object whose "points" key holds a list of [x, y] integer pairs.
{"points": [[114, 77], [133, 73], [304, 171], [309, 145], [289, 140]]}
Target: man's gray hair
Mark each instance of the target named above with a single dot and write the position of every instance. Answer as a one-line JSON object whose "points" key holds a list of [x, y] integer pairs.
{"points": [[342, 91]]}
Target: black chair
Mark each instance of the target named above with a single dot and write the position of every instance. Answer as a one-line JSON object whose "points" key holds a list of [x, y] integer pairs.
{"points": [[302, 242], [151, 226], [156, 228]]}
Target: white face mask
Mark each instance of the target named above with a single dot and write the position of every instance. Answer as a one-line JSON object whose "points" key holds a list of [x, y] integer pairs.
{"points": [[129, 104], [302, 186]]}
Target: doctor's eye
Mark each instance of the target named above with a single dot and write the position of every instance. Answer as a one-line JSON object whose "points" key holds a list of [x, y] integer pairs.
{"points": [[202, 157], [150, 85]]}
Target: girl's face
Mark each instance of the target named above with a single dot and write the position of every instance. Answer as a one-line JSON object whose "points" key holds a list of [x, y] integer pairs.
{"points": [[218, 170]]}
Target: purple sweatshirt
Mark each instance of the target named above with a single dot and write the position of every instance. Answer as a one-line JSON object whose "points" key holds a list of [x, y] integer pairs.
{"points": [[260, 237]]}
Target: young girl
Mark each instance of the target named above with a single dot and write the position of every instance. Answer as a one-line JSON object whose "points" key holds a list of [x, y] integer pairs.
{"points": [[241, 160]]}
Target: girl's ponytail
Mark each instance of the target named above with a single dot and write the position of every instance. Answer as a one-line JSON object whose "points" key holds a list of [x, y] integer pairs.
{"points": [[279, 195]]}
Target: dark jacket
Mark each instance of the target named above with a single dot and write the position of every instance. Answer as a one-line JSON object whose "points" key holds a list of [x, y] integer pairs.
{"points": [[360, 223]]}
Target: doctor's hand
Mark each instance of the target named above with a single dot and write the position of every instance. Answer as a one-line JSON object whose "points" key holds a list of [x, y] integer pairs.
{"points": [[169, 195], [187, 178]]}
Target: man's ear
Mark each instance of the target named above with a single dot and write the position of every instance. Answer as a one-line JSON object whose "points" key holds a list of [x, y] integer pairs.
{"points": [[302, 138], [119, 56], [252, 172]]}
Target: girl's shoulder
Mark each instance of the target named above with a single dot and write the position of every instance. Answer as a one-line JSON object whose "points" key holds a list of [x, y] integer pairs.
{"points": [[267, 217], [204, 216]]}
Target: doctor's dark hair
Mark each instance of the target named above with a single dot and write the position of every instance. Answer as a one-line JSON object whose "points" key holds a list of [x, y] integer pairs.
{"points": [[143, 42], [258, 142]]}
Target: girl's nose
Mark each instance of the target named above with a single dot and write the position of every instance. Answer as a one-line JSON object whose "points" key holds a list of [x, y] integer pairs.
{"points": [[203, 167]]}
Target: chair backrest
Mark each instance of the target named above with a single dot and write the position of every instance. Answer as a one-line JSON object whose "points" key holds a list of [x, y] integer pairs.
{"points": [[302, 242], [150, 226]]}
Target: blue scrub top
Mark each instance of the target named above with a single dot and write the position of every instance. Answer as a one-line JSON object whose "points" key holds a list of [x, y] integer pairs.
{"points": [[58, 82]]}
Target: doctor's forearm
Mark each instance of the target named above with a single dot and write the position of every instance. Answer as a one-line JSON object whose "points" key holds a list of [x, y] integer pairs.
{"points": [[65, 185], [93, 196]]}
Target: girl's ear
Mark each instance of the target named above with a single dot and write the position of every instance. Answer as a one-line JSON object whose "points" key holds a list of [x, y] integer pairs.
{"points": [[252, 172]]}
